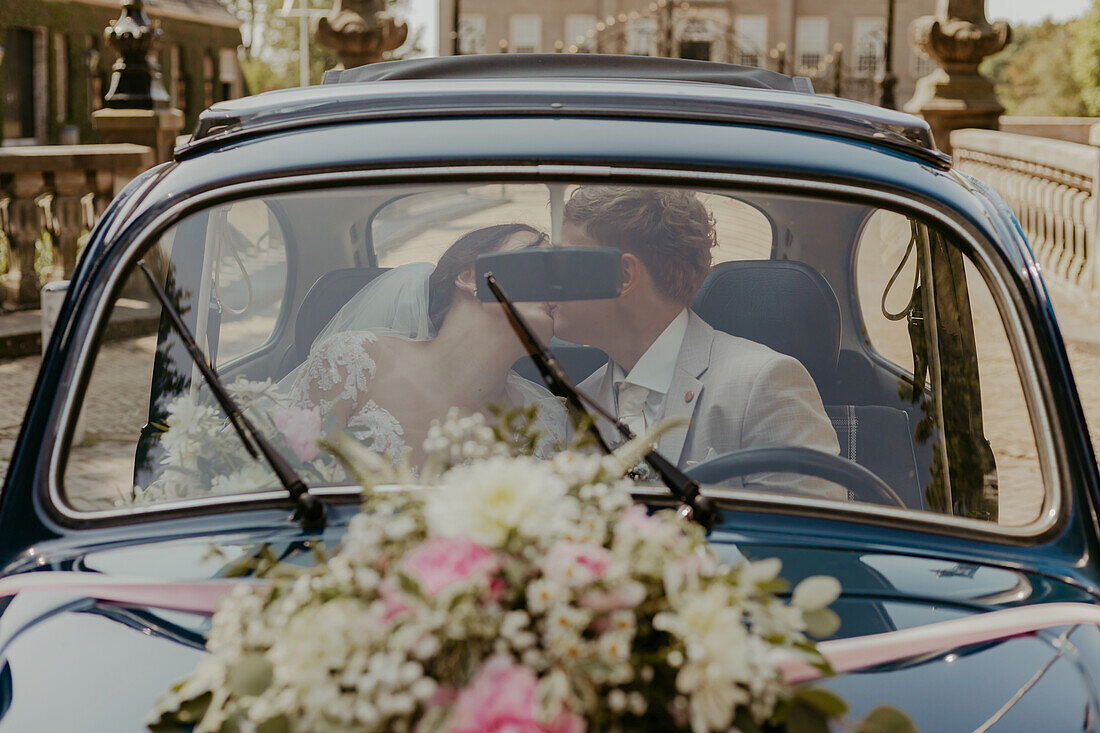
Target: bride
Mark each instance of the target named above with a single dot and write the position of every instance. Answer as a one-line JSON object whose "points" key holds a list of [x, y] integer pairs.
{"points": [[415, 342]]}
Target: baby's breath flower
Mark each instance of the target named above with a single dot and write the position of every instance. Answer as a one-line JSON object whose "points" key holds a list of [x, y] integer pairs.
{"points": [[578, 599]]}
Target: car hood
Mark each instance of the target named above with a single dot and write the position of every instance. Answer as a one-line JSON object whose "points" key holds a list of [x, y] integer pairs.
{"points": [[108, 662]]}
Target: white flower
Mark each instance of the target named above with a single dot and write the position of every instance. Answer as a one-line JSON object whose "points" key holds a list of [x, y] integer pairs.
{"points": [[190, 425], [488, 500], [247, 391], [253, 477], [614, 647], [815, 592], [542, 594]]}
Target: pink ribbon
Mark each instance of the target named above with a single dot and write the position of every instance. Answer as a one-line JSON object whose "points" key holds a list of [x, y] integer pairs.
{"points": [[845, 655], [861, 652], [197, 596]]}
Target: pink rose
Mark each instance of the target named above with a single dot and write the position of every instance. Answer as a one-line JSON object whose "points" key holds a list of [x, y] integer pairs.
{"points": [[442, 561], [501, 699], [575, 564], [301, 430], [625, 595], [638, 519], [392, 598]]}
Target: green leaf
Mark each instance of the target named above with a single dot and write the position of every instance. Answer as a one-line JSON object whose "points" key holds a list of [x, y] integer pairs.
{"points": [[775, 586], [189, 712], [278, 724], [743, 721], [886, 719], [804, 718], [824, 700], [251, 676]]}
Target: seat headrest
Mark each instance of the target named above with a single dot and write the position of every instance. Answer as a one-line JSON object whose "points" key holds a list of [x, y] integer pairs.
{"points": [[787, 306], [324, 298]]}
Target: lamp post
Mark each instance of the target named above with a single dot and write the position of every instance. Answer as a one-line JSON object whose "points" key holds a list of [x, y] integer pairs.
{"points": [[779, 55], [838, 67], [886, 79], [455, 20]]}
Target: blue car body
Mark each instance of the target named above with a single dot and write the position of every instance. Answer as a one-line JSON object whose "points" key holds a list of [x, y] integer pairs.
{"points": [[107, 661]]}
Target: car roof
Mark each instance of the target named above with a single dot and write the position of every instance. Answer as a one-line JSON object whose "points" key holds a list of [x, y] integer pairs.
{"points": [[563, 85]]}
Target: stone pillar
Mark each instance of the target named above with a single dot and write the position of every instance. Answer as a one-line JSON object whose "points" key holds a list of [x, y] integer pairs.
{"points": [[24, 226], [136, 105], [360, 31], [955, 95], [69, 188]]}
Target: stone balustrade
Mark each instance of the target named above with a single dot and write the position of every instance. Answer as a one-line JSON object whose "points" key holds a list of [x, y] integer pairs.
{"points": [[61, 190], [1052, 186]]}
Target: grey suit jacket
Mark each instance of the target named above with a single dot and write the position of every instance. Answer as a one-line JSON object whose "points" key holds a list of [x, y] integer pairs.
{"points": [[736, 394]]}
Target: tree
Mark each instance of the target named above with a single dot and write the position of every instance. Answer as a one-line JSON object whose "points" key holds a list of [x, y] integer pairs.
{"points": [[1030, 74], [1086, 57], [271, 43]]}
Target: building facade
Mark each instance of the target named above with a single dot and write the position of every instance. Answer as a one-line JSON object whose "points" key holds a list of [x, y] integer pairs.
{"points": [[55, 66], [839, 45]]}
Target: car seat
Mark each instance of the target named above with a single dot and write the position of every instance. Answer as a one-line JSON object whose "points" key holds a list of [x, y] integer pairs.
{"points": [[788, 306], [324, 299]]}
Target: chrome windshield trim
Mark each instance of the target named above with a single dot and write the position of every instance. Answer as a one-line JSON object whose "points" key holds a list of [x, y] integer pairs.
{"points": [[1039, 401]]}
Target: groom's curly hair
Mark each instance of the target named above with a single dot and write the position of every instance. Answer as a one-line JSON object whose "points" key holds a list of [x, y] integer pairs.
{"points": [[669, 229], [460, 257]]}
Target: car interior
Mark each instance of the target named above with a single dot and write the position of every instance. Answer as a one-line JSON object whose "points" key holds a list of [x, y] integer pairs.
{"points": [[789, 273]]}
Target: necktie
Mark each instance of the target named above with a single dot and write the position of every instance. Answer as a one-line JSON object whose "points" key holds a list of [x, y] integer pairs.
{"points": [[631, 403]]}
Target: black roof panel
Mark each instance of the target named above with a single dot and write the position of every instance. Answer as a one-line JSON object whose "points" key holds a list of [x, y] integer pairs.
{"points": [[571, 66], [481, 86]]}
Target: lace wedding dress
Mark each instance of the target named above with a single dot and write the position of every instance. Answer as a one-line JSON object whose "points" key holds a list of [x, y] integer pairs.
{"points": [[337, 376]]}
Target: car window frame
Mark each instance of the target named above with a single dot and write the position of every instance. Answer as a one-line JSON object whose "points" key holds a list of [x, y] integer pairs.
{"points": [[963, 234]]}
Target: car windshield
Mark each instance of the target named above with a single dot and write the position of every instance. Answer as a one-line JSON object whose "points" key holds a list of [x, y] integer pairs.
{"points": [[820, 352]]}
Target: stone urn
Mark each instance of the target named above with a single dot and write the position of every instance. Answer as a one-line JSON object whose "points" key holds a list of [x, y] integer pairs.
{"points": [[955, 95], [360, 31]]}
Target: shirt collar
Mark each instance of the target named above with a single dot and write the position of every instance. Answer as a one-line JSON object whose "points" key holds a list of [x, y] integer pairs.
{"points": [[655, 369]]}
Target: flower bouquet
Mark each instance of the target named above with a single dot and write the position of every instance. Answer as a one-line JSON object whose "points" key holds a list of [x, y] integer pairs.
{"points": [[508, 594], [200, 455]]}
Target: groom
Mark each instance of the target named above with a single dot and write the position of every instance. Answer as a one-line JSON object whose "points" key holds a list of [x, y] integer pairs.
{"points": [[664, 360]]}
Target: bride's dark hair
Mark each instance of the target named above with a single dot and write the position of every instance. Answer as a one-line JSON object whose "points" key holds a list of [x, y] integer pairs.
{"points": [[460, 257]]}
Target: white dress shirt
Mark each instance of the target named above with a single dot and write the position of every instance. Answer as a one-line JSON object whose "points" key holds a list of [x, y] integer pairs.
{"points": [[651, 377]]}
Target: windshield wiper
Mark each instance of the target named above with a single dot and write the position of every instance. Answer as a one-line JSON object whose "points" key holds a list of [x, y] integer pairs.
{"points": [[310, 511], [680, 485]]}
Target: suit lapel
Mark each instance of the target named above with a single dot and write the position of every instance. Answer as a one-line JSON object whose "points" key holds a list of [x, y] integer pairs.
{"points": [[686, 391], [600, 386]]}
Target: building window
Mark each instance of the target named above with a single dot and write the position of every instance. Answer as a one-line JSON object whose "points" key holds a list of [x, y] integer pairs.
{"points": [[23, 112], [471, 34], [751, 39], [869, 42], [61, 77], [526, 33], [580, 31], [229, 76], [696, 40], [93, 61], [207, 81], [641, 37], [811, 42], [174, 76]]}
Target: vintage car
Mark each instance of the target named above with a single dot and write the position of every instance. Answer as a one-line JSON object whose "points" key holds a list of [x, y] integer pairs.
{"points": [[962, 487]]}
